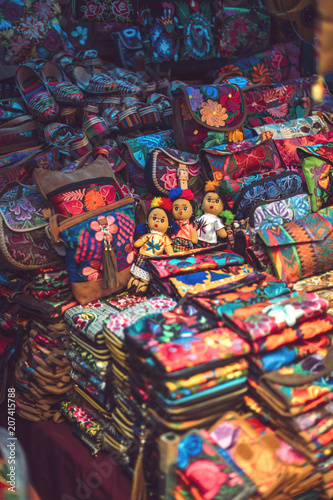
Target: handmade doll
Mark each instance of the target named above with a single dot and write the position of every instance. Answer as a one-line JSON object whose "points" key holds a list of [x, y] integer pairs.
{"points": [[211, 223], [183, 211], [154, 240]]}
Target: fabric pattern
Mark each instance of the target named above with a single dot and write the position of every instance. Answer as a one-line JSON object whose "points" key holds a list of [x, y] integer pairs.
{"points": [[294, 128], [31, 29], [277, 213], [107, 11], [166, 267], [299, 249], [298, 107], [214, 281], [233, 161]]}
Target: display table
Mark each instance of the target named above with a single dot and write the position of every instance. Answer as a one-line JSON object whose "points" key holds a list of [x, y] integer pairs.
{"points": [[62, 468]]}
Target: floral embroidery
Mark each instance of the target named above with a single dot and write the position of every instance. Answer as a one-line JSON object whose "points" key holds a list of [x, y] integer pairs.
{"points": [[213, 114]]}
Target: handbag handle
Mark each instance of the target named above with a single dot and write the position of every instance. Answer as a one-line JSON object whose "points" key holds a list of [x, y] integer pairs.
{"points": [[19, 120], [84, 158], [11, 184]]}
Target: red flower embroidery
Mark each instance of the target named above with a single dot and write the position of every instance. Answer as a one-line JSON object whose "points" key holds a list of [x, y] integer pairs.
{"points": [[121, 8], [93, 9]]}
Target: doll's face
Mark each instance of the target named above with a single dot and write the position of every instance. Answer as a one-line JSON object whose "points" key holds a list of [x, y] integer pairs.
{"points": [[212, 204], [182, 209], [158, 220]]}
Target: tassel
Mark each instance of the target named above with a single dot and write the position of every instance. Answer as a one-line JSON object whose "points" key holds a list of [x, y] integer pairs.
{"points": [[114, 265], [139, 484]]}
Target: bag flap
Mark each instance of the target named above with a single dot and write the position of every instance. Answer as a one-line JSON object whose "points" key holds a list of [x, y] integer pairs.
{"points": [[23, 214], [48, 181], [131, 38], [180, 156], [318, 227], [240, 147], [324, 151], [140, 146], [217, 107]]}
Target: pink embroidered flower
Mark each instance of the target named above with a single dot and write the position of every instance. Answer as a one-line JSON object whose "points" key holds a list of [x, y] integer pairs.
{"points": [[194, 170], [278, 59], [118, 322], [93, 272], [131, 251], [43, 10], [93, 9], [170, 179], [121, 8], [162, 303], [96, 226], [20, 46], [207, 477]]}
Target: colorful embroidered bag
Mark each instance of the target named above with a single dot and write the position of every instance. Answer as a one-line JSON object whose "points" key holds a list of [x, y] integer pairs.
{"points": [[287, 147], [301, 248], [169, 168], [273, 187], [267, 214], [86, 188], [317, 165], [24, 245], [232, 161], [135, 153], [295, 128], [99, 248], [203, 113], [244, 30]]}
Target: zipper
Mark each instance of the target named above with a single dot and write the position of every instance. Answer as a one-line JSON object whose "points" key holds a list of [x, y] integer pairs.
{"points": [[261, 203], [78, 184], [257, 183], [90, 400]]}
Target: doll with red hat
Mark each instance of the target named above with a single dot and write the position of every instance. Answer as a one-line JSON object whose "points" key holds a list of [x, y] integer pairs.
{"points": [[154, 240], [184, 210]]}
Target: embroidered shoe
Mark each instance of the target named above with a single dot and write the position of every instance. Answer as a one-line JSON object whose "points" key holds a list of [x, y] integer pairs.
{"points": [[38, 100], [63, 91]]}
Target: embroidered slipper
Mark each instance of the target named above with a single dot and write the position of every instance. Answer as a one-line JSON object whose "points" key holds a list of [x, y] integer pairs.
{"points": [[38, 100], [63, 91], [100, 84]]}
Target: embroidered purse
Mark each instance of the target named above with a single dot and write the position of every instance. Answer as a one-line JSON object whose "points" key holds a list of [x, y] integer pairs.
{"points": [[295, 128], [232, 161], [127, 47], [317, 169], [24, 245], [203, 113], [301, 248], [86, 188], [135, 153], [265, 215], [169, 168], [99, 248], [270, 188]]}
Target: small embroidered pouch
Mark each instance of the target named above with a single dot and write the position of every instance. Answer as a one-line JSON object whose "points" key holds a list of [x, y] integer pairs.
{"points": [[265, 215], [213, 282], [205, 473], [295, 128], [242, 297], [207, 259], [169, 168], [270, 317], [233, 161], [181, 322]]}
